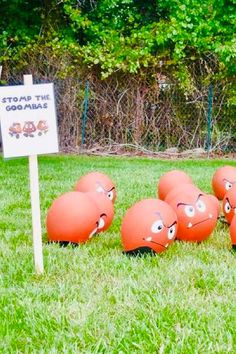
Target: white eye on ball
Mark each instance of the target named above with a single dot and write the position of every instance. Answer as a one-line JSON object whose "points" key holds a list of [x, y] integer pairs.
{"points": [[189, 211], [171, 232], [110, 195], [157, 226], [201, 206], [228, 185], [227, 207]]}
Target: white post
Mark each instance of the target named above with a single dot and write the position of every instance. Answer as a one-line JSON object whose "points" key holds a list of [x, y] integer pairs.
{"points": [[35, 203]]}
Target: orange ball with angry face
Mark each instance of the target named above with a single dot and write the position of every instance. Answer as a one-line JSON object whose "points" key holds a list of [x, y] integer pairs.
{"points": [[149, 225], [97, 182], [229, 204], [197, 215], [223, 180]]}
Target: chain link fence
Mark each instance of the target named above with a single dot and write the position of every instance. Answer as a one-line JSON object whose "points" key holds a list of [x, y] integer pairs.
{"points": [[149, 116]]}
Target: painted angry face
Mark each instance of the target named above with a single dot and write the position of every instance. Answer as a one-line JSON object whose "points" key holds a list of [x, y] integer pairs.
{"points": [[197, 216], [106, 209], [101, 188], [223, 180], [149, 225], [229, 204], [97, 182]]}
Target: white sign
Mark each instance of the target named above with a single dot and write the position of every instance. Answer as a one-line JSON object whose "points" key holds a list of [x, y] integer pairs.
{"points": [[28, 120]]}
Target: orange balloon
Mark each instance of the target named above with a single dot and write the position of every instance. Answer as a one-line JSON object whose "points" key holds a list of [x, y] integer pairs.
{"points": [[106, 210], [232, 230], [73, 217], [197, 215], [180, 188], [170, 180], [150, 224], [223, 179], [97, 182], [229, 204]]}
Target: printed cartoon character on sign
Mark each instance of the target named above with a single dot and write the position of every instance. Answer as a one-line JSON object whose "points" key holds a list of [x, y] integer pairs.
{"points": [[149, 225], [42, 127], [15, 130], [29, 128]]}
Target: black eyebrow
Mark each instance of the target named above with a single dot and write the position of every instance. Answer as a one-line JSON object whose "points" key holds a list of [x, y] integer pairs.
{"points": [[229, 202], [200, 195], [100, 185], [175, 222], [103, 215], [182, 204], [158, 213]]}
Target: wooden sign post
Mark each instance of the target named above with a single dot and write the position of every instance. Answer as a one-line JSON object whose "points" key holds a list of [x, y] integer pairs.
{"points": [[29, 128], [35, 203]]}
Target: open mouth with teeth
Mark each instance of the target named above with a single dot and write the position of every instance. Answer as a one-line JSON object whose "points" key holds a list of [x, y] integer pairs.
{"points": [[149, 239], [101, 223]]}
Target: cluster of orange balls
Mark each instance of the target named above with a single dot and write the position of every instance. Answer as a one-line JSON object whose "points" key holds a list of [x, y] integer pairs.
{"points": [[77, 216], [182, 211]]}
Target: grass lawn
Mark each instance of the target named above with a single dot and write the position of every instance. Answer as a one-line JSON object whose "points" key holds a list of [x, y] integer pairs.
{"points": [[93, 298]]}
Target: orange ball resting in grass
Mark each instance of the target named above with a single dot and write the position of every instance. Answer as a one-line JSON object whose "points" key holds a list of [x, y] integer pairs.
{"points": [[106, 210], [196, 213], [170, 180], [97, 182], [232, 230], [223, 179], [73, 217], [229, 204], [149, 225]]}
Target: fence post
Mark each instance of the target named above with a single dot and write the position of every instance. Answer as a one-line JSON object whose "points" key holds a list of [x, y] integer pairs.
{"points": [[209, 117], [85, 110]]}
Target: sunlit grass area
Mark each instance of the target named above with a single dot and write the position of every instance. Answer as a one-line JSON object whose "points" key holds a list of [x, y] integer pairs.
{"points": [[95, 299]]}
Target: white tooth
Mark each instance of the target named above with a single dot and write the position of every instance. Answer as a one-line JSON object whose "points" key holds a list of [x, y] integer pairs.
{"points": [[234, 210], [210, 216], [93, 232], [148, 238], [101, 223], [190, 224], [167, 245]]}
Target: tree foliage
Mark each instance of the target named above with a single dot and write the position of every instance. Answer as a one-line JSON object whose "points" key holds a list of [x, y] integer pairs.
{"points": [[125, 35]]}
